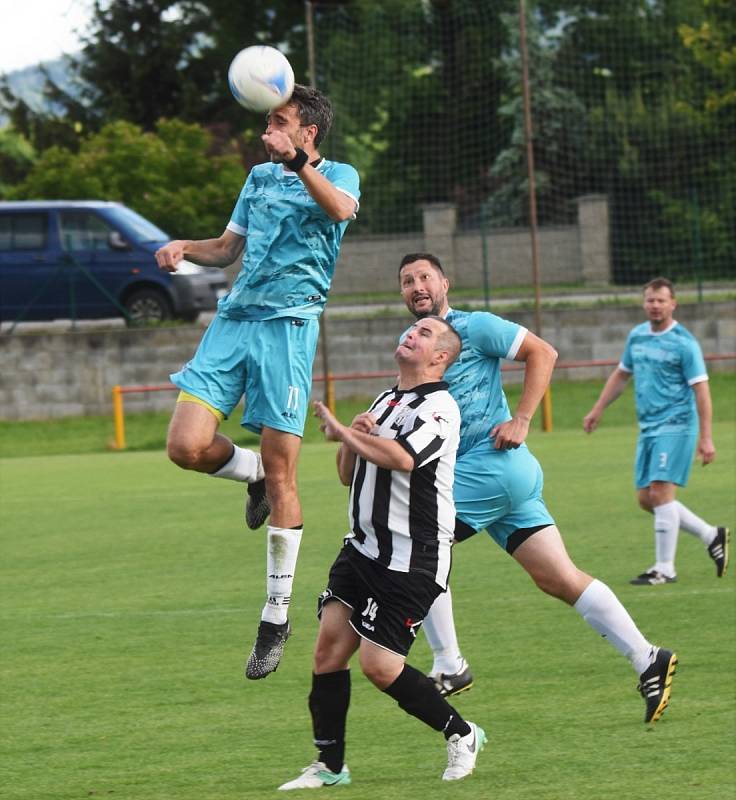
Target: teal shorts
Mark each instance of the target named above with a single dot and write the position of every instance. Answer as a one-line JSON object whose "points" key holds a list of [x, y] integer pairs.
{"points": [[500, 491], [667, 457], [268, 361]]}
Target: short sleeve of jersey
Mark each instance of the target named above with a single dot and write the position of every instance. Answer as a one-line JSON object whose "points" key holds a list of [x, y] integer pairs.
{"points": [[239, 218], [627, 362], [346, 179], [494, 336], [693, 363], [431, 433]]}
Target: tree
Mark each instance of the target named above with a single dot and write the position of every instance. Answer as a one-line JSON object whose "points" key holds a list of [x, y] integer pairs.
{"points": [[147, 59], [168, 176], [16, 158]]}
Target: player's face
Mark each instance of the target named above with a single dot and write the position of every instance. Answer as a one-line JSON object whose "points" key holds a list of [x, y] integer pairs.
{"points": [[659, 306], [424, 289], [419, 346], [286, 120]]}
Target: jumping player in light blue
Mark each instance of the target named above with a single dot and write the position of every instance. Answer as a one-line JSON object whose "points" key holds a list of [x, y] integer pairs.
{"points": [[288, 224], [674, 409], [498, 486]]}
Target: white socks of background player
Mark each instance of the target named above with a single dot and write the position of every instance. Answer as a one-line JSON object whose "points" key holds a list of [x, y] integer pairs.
{"points": [[439, 628], [283, 549], [693, 524], [666, 530], [668, 520], [603, 611], [244, 465]]}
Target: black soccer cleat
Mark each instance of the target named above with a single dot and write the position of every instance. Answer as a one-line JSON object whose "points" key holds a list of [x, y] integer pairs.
{"points": [[453, 683], [652, 578], [718, 550], [257, 507], [267, 650], [655, 684]]}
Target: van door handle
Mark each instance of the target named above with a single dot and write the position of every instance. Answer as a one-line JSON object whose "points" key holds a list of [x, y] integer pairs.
{"points": [[39, 258]]}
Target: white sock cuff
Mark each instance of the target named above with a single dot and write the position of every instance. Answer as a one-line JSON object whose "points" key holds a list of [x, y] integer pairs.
{"points": [[589, 596], [244, 466], [666, 509]]}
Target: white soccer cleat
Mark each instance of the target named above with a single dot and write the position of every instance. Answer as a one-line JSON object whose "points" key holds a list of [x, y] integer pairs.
{"points": [[317, 775], [462, 753]]}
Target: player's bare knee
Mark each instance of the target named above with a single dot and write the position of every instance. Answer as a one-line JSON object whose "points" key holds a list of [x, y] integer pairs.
{"points": [[184, 454]]}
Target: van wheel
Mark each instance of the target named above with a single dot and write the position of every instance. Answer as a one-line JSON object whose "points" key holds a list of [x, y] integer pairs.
{"points": [[146, 306]]}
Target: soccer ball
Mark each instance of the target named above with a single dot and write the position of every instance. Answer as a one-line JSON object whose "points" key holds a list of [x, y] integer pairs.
{"points": [[261, 78]]}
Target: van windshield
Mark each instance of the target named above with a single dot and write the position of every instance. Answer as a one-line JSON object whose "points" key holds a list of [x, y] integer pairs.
{"points": [[139, 227]]}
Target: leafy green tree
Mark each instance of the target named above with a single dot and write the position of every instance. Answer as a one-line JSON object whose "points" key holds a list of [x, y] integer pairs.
{"points": [[559, 134], [169, 176], [147, 59], [416, 91], [16, 158]]}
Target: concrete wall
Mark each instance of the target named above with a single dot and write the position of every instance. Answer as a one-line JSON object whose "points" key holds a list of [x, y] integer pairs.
{"points": [[573, 254], [44, 375]]}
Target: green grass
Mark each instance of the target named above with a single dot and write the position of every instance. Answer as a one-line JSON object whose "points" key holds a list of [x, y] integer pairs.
{"points": [[130, 593], [570, 402]]}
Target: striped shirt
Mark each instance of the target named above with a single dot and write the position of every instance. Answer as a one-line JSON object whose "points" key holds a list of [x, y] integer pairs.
{"points": [[406, 520]]}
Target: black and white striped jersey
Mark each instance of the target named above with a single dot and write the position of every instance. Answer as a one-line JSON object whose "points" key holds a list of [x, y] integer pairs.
{"points": [[406, 520]]}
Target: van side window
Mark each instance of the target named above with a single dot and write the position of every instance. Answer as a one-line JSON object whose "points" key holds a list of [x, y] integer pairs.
{"points": [[83, 231], [23, 232]]}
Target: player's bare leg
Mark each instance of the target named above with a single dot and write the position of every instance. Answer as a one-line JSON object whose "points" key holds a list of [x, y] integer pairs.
{"points": [[194, 443]]}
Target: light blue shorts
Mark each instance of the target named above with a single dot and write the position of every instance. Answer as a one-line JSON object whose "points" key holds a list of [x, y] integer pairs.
{"points": [[500, 491], [268, 361], [667, 457]]}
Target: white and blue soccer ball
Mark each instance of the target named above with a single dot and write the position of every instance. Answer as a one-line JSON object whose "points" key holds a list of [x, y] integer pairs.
{"points": [[261, 78]]}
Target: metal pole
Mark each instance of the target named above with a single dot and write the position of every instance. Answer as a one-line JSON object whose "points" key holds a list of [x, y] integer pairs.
{"points": [[528, 135], [118, 416], [329, 390]]}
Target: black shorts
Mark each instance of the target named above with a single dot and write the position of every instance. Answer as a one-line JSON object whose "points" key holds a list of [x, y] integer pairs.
{"points": [[388, 606]]}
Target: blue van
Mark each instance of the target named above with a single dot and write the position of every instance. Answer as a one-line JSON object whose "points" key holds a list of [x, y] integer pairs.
{"points": [[93, 259]]}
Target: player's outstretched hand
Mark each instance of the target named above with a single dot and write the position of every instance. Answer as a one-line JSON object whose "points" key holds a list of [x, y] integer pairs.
{"points": [[168, 256], [510, 434], [330, 424]]}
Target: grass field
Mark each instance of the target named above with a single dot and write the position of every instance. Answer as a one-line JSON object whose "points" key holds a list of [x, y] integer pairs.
{"points": [[131, 593]]}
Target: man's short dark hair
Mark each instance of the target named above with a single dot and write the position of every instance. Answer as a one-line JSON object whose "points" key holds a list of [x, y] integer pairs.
{"points": [[410, 258], [660, 283], [313, 109]]}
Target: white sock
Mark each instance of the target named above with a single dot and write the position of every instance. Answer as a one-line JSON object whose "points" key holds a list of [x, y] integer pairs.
{"points": [[693, 524], [603, 611], [666, 528], [283, 549], [244, 465], [439, 627]]}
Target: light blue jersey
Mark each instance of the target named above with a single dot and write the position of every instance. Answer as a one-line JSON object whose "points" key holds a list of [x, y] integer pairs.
{"points": [[291, 244], [475, 377], [665, 366]]}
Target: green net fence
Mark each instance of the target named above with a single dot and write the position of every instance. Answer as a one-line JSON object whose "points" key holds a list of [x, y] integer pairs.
{"points": [[632, 102]]}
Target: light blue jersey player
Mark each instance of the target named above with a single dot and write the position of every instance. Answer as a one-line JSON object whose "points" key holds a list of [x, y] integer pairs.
{"points": [[498, 485], [288, 224], [674, 409]]}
